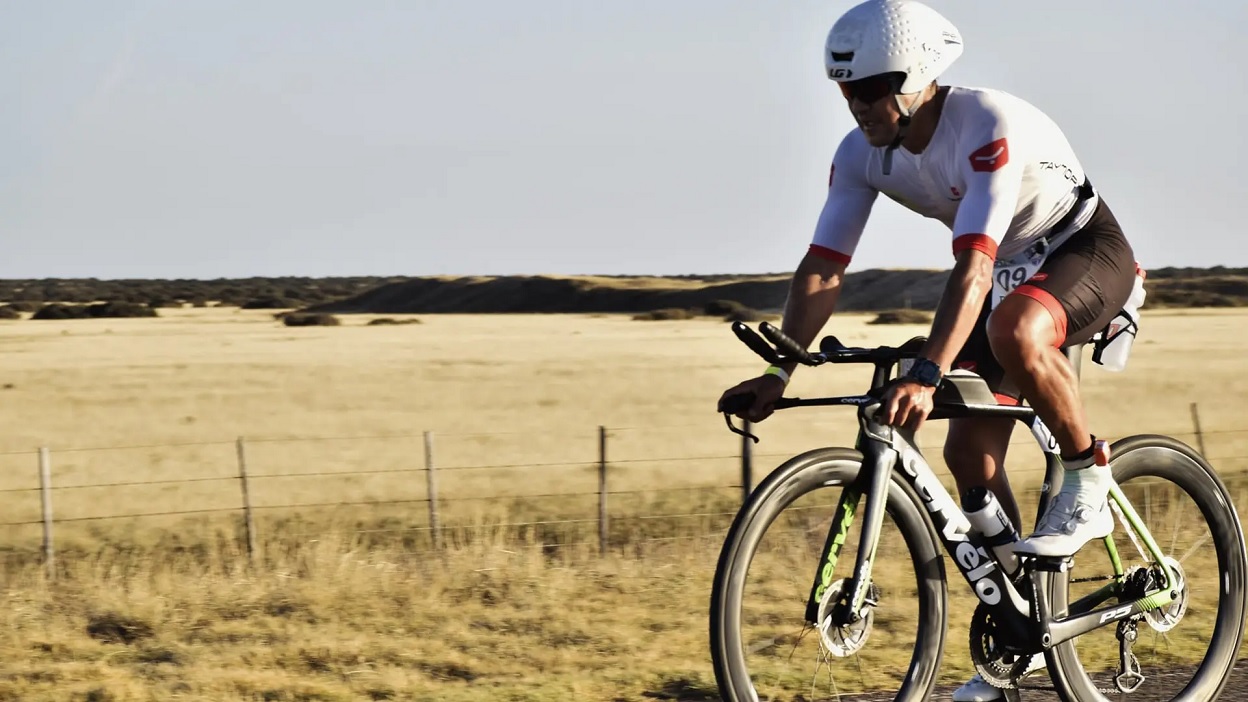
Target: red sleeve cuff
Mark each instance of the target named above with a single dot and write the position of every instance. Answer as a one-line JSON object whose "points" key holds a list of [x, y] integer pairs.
{"points": [[829, 254], [978, 242]]}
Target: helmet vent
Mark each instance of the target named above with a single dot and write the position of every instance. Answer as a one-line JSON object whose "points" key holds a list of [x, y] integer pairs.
{"points": [[842, 56]]}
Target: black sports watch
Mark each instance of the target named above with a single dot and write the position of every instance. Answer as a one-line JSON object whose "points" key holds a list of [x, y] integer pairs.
{"points": [[926, 372]]}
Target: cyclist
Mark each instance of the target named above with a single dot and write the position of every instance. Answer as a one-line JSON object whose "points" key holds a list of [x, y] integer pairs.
{"points": [[1040, 260]]}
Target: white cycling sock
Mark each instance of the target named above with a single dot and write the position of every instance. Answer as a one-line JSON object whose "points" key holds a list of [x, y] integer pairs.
{"points": [[1087, 479]]}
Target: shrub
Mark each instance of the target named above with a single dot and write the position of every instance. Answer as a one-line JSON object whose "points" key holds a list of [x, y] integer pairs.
{"points": [[666, 314], [723, 308], [389, 320], [7, 312], [119, 309], [269, 302], [58, 311], [746, 314], [902, 317], [99, 310], [23, 306], [310, 320]]}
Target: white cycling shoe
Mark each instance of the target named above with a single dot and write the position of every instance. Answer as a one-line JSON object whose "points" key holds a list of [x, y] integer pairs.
{"points": [[1077, 514], [977, 690]]}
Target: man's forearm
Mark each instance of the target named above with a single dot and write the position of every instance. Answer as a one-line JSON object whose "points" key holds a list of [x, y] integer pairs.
{"points": [[813, 293], [969, 285]]}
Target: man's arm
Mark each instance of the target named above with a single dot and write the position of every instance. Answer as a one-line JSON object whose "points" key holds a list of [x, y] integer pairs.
{"points": [[813, 292], [968, 287], [908, 403]]}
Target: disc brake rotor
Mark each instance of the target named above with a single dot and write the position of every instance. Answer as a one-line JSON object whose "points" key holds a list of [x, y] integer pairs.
{"points": [[844, 641], [1168, 617]]}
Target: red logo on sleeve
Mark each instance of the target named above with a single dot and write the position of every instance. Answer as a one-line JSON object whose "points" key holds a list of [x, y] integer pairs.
{"points": [[991, 156]]}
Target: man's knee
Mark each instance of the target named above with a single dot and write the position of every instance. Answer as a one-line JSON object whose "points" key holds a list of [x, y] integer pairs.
{"points": [[1021, 329]]}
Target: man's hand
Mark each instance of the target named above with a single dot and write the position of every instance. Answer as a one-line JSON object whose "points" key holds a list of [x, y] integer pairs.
{"points": [[766, 390], [906, 404]]}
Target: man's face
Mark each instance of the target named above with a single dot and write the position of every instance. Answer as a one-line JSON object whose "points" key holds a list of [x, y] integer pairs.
{"points": [[872, 104]]}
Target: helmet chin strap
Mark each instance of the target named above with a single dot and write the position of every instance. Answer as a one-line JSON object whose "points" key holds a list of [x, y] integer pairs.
{"points": [[903, 125]]}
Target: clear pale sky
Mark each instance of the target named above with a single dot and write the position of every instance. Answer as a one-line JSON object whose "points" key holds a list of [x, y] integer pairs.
{"points": [[203, 139]]}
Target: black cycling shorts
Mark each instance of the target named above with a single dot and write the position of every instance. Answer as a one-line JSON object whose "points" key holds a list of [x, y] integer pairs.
{"points": [[1083, 284]]}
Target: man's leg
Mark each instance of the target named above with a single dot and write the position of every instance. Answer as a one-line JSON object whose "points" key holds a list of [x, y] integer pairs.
{"points": [[975, 453], [1023, 336], [1078, 290], [1026, 342]]}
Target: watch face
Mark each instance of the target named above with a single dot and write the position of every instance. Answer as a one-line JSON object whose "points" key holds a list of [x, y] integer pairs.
{"points": [[925, 372]]}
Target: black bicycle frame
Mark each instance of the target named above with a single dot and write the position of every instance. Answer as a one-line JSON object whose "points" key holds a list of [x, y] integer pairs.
{"points": [[887, 450], [1026, 623]]}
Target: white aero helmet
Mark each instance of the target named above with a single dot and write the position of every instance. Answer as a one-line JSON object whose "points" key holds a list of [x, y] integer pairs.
{"points": [[879, 37]]}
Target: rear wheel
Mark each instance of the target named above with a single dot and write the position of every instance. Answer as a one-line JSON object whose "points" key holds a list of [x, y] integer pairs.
{"points": [[761, 645], [1187, 649]]}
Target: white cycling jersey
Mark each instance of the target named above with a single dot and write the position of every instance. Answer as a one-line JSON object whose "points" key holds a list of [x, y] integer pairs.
{"points": [[998, 172]]}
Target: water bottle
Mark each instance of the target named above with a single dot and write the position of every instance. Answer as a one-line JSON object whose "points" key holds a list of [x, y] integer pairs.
{"points": [[1115, 345], [985, 513]]}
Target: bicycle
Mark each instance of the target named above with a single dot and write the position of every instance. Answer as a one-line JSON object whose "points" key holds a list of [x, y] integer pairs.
{"points": [[1024, 608]]}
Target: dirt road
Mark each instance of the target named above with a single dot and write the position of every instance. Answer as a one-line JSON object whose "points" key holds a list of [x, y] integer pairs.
{"points": [[1158, 687]]}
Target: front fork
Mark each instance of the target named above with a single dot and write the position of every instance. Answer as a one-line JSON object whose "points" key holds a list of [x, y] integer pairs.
{"points": [[880, 457], [874, 481]]}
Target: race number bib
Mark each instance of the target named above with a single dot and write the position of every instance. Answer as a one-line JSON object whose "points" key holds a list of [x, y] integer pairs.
{"points": [[1008, 275]]}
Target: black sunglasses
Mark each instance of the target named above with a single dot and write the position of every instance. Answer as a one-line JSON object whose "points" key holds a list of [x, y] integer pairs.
{"points": [[868, 89]]}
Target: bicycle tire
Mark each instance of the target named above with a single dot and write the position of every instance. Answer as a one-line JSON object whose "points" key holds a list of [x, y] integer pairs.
{"points": [[792, 479], [1169, 459]]}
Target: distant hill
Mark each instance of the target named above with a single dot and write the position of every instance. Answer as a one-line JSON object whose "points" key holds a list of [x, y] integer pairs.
{"points": [[864, 291], [869, 290]]}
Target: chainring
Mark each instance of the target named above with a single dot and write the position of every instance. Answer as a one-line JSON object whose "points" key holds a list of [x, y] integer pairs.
{"points": [[845, 641], [998, 667]]}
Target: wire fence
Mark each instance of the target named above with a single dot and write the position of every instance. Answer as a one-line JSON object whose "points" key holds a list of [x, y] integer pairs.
{"points": [[433, 488]]}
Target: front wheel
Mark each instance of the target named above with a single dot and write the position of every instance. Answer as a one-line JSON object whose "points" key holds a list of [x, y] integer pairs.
{"points": [[1185, 650], [762, 646]]}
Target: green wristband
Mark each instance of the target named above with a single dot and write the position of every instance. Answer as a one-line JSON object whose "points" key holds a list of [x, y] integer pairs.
{"points": [[778, 372]]}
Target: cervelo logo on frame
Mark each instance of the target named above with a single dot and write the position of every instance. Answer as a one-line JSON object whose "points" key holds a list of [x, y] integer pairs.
{"points": [[991, 156]]}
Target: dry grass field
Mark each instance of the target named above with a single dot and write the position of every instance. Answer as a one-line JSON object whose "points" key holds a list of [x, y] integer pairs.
{"points": [[347, 604]]}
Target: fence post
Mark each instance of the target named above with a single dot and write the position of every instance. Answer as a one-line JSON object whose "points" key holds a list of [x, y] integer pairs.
{"points": [[747, 463], [602, 490], [248, 521], [1200, 435], [431, 486], [45, 489]]}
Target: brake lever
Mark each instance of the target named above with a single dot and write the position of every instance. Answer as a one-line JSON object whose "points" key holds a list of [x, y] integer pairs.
{"points": [[740, 432]]}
